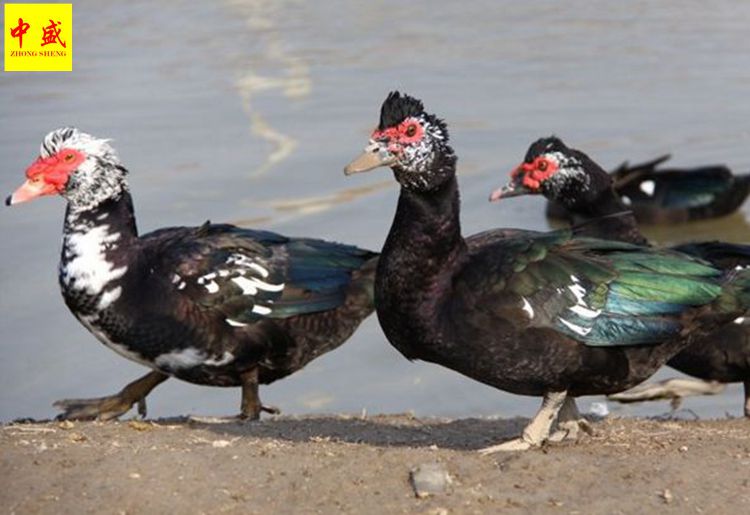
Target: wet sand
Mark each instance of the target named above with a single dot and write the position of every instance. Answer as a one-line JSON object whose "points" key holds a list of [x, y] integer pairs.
{"points": [[355, 464]]}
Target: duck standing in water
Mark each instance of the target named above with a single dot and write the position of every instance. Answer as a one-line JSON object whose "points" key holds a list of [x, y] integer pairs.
{"points": [[214, 305], [572, 179], [542, 314]]}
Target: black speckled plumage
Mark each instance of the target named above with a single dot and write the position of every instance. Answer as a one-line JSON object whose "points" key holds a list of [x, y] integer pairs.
{"points": [[492, 306], [326, 295], [724, 354], [679, 194], [214, 305]]}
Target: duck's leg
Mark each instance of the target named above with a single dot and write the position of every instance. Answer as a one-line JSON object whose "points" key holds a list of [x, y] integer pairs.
{"points": [[107, 408], [537, 431], [747, 398], [570, 423], [250, 406]]}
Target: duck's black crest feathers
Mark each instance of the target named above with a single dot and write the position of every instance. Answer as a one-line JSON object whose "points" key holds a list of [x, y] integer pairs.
{"points": [[397, 107], [543, 146]]}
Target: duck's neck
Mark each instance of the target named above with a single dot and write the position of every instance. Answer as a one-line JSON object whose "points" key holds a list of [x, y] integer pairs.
{"points": [[415, 272], [98, 243], [605, 216]]}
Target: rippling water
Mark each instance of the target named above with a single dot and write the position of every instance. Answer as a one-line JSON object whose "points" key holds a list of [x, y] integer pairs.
{"points": [[247, 111]]}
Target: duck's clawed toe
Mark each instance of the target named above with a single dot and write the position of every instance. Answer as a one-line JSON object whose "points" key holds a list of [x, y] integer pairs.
{"points": [[101, 408], [112, 406], [517, 444], [570, 430], [272, 410]]}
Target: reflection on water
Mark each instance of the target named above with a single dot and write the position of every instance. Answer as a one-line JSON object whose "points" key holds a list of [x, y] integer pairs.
{"points": [[178, 84], [734, 228], [318, 203], [286, 74]]}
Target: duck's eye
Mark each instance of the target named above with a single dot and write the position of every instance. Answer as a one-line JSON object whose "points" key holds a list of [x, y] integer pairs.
{"points": [[36, 180], [411, 130], [69, 157], [541, 165]]}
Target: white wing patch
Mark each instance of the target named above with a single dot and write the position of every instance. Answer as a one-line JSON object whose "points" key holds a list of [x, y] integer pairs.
{"points": [[585, 312], [648, 187], [243, 271], [261, 310], [527, 308], [580, 308], [583, 331], [250, 286]]}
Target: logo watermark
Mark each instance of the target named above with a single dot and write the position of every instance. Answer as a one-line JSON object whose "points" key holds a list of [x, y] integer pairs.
{"points": [[38, 37]]}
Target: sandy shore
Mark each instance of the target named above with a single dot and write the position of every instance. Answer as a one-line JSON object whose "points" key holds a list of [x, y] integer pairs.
{"points": [[339, 464]]}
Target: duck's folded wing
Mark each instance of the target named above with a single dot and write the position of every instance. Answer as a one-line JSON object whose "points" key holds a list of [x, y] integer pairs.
{"points": [[246, 275], [599, 292]]}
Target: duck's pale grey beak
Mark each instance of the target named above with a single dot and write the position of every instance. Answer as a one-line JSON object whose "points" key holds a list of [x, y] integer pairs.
{"points": [[372, 157], [514, 188]]}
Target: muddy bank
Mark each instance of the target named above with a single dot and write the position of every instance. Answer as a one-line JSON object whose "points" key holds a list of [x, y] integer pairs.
{"points": [[340, 464]]}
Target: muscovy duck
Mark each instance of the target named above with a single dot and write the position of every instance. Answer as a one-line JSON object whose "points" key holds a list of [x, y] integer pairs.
{"points": [[672, 195], [571, 178], [542, 314], [214, 305]]}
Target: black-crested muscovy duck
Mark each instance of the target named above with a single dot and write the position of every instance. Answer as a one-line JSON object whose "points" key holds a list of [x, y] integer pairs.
{"points": [[672, 195], [214, 305], [571, 178], [543, 314]]}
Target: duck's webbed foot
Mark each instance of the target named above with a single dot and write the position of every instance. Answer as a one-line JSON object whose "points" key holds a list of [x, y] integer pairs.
{"points": [[250, 407], [113, 406], [537, 431], [673, 390], [234, 419], [570, 423]]}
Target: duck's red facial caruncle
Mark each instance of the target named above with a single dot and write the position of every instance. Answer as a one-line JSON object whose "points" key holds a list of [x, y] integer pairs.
{"points": [[387, 146], [405, 133], [533, 174], [528, 177], [47, 175]]}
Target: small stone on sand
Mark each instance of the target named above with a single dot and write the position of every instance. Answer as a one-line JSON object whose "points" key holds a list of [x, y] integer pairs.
{"points": [[429, 479]]}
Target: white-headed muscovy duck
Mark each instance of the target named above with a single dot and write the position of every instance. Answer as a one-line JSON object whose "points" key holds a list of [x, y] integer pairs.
{"points": [[543, 314], [571, 178], [215, 305]]}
